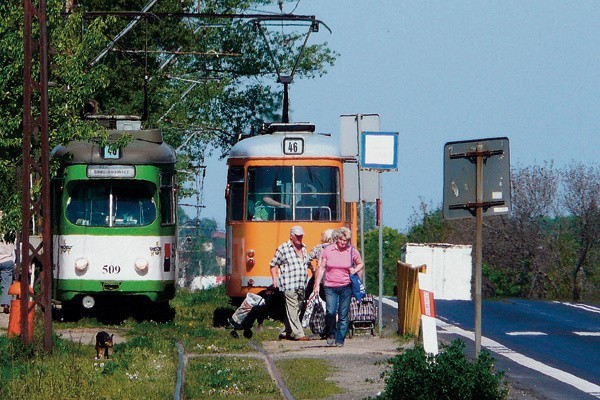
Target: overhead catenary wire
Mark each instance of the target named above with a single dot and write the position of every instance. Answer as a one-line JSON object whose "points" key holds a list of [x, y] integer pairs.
{"points": [[122, 33]]}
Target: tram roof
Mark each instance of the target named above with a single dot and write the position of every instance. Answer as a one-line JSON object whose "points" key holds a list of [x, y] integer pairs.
{"points": [[147, 147], [271, 145]]}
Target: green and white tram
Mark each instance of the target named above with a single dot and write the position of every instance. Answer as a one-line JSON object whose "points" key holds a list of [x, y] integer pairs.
{"points": [[115, 222]]}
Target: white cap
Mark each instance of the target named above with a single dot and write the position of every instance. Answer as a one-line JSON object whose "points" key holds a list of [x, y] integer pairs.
{"points": [[297, 230]]}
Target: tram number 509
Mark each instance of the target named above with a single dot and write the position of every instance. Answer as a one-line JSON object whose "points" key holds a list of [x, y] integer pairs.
{"points": [[111, 269], [293, 146]]}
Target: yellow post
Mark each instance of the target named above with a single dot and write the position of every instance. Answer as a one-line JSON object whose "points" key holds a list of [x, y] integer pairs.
{"points": [[409, 306]]}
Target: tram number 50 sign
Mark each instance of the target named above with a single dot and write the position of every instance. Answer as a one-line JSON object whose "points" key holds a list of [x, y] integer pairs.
{"points": [[293, 146]]}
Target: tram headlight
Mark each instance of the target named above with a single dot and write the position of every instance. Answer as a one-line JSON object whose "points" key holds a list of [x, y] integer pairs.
{"points": [[88, 302], [81, 264], [250, 253], [141, 264]]}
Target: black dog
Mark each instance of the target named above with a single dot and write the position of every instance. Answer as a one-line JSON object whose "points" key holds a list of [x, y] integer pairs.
{"points": [[103, 342]]}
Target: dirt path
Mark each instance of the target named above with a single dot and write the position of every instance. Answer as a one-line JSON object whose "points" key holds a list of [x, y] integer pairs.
{"points": [[358, 366]]}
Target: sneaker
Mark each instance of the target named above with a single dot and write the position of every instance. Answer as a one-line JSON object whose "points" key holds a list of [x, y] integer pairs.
{"points": [[330, 341], [339, 344]]}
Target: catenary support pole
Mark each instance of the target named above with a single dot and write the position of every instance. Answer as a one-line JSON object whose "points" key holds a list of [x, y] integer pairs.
{"points": [[380, 256]]}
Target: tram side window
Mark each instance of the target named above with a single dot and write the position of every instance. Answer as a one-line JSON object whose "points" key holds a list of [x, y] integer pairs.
{"points": [[270, 194], [167, 198], [235, 194]]}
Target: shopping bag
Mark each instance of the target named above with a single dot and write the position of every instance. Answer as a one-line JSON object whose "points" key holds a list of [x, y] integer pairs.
{"points": [[363, 310], [317, 319], [251, 300], [358, 288], [310, 305]]}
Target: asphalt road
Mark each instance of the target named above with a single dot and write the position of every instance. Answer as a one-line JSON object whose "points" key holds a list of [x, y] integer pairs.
{"points": [[551, 349]]}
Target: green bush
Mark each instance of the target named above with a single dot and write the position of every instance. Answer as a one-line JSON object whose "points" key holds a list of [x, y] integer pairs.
{"points": [[449, 375]]}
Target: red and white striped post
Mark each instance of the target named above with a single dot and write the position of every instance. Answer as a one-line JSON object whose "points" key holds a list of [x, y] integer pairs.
{"points": [[428, 326]]}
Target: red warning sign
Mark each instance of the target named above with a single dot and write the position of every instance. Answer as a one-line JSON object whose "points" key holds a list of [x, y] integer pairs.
{"points": [[427, 303]]}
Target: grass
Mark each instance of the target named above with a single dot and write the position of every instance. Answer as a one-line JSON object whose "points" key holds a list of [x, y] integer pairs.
{"points": [[147, 362], [229, 377], [71, 372], [306, 378]]}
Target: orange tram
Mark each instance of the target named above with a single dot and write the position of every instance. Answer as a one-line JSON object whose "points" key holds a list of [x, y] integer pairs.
{"points": [[287, 176]]}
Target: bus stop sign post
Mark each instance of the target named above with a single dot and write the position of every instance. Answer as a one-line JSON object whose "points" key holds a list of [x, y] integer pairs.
{"points": [[379, 152], [361, 187], [489, 196]]}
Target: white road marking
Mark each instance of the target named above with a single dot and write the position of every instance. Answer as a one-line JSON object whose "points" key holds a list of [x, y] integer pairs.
{"points": [[390, 302], [565, 377], [586, 307], [526, 333]]}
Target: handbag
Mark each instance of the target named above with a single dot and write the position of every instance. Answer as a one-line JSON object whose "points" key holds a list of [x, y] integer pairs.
{"points": [[358, 288]]}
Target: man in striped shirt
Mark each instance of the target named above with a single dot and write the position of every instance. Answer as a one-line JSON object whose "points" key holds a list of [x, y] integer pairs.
{"points": [[291, 259]]}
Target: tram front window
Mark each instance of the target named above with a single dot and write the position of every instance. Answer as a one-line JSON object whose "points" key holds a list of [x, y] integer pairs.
{"points": [[295, 193], [111, 204]]}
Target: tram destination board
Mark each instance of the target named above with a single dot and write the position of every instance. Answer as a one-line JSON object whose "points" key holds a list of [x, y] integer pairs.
{"points": [[460, 177]]}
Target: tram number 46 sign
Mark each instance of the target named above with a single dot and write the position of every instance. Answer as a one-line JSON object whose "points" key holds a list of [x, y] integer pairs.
{"points": [[293, 146]]}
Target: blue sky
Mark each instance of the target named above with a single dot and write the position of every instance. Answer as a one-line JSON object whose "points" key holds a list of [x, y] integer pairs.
{"points": [[444, 71]]}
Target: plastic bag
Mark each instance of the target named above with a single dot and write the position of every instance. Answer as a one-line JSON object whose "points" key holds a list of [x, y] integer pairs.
{"points": [[251, 300], [358, 288]]}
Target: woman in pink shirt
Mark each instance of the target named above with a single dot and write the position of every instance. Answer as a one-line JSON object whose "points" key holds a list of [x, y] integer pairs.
{"points": [[338, 261]]}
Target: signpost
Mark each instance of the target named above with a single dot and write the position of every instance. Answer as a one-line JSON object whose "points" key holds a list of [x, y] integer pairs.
{"points": [[477, 183], [374, 152], [379, 152], [351, 126]]}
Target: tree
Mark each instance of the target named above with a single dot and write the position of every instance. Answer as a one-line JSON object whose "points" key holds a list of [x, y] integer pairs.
{"points": [[581, 198], [428, 227], [519, 245], [392, 248], [206, 79], [198, 248], [546, 248], [72, 82]]}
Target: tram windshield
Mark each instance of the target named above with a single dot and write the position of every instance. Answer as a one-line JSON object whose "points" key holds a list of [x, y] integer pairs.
{"points": [[112, 204], [293, 193]]}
